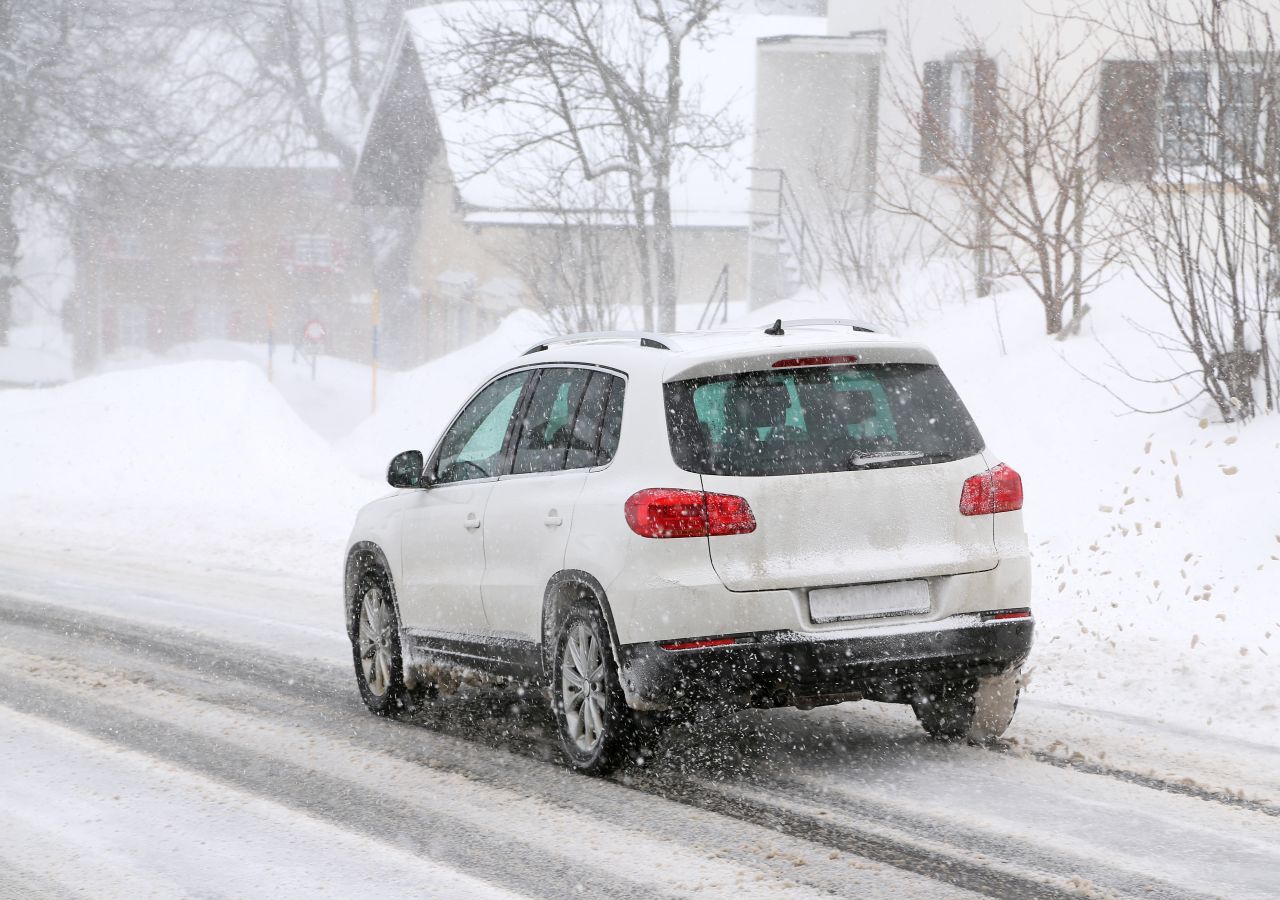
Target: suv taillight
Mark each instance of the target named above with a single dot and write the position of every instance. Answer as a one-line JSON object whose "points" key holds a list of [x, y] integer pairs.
{"points": [[670, 513], [996, 490]]}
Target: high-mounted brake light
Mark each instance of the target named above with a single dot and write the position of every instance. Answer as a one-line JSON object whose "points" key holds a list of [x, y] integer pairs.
{"points": [[996, 490], [671, 512], [815, 361]]}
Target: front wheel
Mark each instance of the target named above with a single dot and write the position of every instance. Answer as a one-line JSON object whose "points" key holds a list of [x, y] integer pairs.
{"points": [[375, 649], [977, 709], [593, 719]]}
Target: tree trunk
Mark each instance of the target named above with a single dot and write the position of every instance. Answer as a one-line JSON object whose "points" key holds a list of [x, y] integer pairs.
{"points": [[665, 256], [1077, 243], [1053, 316], [8, 252], [644, 255], [982, 254], [9, 142]]}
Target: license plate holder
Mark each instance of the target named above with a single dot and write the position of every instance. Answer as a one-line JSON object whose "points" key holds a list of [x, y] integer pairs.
{"points": [[869, 601]]}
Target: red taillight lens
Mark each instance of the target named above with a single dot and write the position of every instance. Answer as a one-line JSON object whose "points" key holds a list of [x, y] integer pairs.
{"points": [[727, 514], [669, 513], [994, 491]]}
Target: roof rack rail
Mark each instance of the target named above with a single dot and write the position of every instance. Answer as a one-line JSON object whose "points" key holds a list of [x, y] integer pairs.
{"points": [[845, 323], [652, 339]]}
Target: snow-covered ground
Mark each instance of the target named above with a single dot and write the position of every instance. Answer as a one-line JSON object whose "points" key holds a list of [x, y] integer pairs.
{"points": [[1156, 537], [189, 491]]}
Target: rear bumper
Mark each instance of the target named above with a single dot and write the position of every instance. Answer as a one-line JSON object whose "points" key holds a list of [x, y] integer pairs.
{"points": [[785, 667]]}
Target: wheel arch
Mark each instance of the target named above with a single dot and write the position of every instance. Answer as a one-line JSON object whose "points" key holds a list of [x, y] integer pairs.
{"points": [[565, 588], [364, 557]]}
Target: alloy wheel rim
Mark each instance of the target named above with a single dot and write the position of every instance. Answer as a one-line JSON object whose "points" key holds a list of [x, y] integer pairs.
{"points": [[582, 688], [375, 641]]}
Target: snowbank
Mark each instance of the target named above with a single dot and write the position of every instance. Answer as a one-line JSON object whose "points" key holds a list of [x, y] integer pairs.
{"points": [[37, 355], [203, 458]]}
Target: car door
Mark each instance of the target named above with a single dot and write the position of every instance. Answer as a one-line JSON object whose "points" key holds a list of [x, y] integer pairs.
{"points": [[530, 510], [442, 542]]}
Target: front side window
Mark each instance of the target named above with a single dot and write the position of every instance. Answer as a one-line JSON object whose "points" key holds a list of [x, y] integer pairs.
{"points": [[472, 447], [818, 419]]}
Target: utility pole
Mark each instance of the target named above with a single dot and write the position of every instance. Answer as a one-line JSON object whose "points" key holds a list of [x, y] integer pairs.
{"points": [[375, 307]]}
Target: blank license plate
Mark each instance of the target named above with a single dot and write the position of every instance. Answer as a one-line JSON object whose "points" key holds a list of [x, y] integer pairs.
{"points": [[860, 601]]}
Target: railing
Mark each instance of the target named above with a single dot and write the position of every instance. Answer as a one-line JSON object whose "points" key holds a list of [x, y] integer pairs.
{"points": [[718, 302], [795, 236]]}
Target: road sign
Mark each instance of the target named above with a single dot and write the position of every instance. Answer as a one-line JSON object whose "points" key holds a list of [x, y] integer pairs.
{"points": [[314, 332]]}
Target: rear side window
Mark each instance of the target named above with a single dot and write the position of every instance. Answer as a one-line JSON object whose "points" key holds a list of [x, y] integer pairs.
{"points": [[611, 428], [547, 427], [819, 419], [570, 422]]}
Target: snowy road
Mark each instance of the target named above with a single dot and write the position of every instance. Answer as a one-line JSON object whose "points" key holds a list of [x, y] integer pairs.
{"points": [[175, 731]]}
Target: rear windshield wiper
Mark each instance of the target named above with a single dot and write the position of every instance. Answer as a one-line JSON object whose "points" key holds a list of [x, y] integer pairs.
{"points": [[883, 457]]}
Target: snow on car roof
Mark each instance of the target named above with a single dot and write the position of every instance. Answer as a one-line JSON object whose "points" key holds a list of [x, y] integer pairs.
{"points": [[721, 71], [693, 354]]}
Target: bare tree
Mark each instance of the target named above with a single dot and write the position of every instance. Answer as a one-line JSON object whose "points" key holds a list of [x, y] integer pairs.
{"points": [[79, 87], [569, 267], [279, 82], [287, 79], [598, 88], [569, 263], [1205, 219], [868, 248], [1013, 159]]}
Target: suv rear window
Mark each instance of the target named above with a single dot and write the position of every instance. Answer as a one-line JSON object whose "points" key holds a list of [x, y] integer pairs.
{"points": [[819, 419]]}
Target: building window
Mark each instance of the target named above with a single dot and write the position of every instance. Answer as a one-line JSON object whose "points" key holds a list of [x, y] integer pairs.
{"points": [[317, 252], [216, 251], [960, 112], [1179, 117], [124, 245], [1242, 131], [132, 325], [957, 114], [1185, 118], [1211, 115]]}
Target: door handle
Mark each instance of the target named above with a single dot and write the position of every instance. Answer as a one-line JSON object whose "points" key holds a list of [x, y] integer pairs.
{"points": [[553, 518], [472, 520]]}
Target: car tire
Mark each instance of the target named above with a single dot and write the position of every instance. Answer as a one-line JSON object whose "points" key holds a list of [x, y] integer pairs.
{"points": [[375, 648], [593, 720], [978, 710]]}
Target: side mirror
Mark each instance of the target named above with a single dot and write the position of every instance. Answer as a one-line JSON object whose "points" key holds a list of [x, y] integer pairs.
{"points": [[405, 470]]}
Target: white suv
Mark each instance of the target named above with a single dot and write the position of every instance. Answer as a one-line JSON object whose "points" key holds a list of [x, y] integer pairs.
{"points": [[787, 516]]}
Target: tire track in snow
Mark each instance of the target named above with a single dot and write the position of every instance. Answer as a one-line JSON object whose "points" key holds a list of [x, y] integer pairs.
{"points": [[792, 865], [327, 685]]}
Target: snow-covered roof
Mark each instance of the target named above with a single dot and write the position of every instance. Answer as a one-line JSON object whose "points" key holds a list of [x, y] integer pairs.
{"points": [[720, 73]]}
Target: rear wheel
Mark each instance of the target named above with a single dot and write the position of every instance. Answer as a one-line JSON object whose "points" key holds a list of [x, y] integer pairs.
{"points": [[977, 709], [375, 649], [593, 719]]}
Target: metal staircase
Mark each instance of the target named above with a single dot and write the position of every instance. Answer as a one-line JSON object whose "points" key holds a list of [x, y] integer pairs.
{"points": [[785, 255]]}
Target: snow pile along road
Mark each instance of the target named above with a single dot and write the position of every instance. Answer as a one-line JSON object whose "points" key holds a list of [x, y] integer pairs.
{"points": [[201, 460]]}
